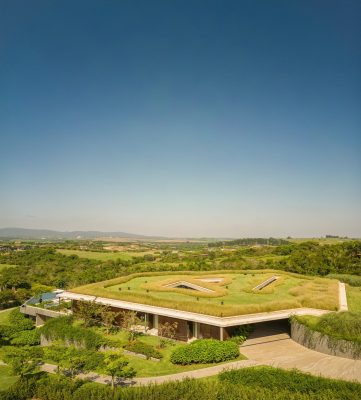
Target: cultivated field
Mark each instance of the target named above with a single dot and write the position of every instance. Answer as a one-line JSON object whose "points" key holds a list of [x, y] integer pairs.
{"points": [[103, 256], [232, 295]]}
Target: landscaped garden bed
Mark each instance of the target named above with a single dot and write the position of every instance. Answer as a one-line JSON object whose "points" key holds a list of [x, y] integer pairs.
{"points": [[335, 333]]}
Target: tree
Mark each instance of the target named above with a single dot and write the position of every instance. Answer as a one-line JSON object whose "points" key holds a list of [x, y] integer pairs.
{"points": [[23, 360], [26, 338], [167, 330], [117, 367], [17, 323], [130, 322], [89, 312], [69, 359], [108, 318]]}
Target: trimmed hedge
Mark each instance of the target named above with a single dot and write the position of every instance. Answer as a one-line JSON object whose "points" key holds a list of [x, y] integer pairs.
{"points": [[294, 381], [62, 329], [352, 280], [205, 351], [143, 348]]}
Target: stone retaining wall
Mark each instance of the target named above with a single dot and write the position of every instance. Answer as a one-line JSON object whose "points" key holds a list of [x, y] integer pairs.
{"points": [[322, 343]]}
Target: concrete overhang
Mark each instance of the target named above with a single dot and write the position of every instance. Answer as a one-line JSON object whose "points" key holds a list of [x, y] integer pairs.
{"points": [[195, 317]]}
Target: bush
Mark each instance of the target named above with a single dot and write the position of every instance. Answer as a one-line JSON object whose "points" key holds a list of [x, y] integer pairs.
{"points": [[205, 351], [17, 323], [62, 329], [240, 334], [26, 338], [143, 348], [342, 325], [93, 360], [259, 383], [294, 381], [352, 280]]}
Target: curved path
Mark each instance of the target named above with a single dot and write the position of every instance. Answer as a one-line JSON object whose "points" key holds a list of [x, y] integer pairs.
{"points": [[285, 353], [198, 373]]}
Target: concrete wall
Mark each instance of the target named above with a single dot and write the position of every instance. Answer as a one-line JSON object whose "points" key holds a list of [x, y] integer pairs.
{"points": [[41, 314], [323, 343]]}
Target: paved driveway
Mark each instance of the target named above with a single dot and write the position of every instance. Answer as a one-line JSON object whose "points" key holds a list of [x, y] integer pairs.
{"points": [[283, 352]]}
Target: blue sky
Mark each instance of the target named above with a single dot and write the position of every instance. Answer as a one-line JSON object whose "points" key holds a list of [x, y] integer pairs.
{"points": [[181, 118]]}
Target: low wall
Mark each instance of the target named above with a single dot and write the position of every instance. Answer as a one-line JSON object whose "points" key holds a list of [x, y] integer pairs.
{"points": [[322, 343]]}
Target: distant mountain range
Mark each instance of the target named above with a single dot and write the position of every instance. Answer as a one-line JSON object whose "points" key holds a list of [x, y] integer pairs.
{"points": [[23, 233]]}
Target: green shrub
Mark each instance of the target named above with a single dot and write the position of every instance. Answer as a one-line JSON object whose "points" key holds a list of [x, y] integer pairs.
{"points": [[205, 351], [240, 334], [26, 338], [260, 383], [293, 381], [17, 323], [62, 329], [352, 280], [143, 348], [60, 355], [342, 325]]}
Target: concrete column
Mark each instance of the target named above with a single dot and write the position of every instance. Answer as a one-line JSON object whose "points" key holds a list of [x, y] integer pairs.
{"points": [[155, 321], [146, 319], [196, 329], [221, 333], [40, 320]]}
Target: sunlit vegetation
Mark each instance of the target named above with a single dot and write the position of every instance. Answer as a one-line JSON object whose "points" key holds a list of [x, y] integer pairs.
{"points": [[354, 298], [234, 296], [7, 378], [103, 256], [256, 383], [342, 325]]}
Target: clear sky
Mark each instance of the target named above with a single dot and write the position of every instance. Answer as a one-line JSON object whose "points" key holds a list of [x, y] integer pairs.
{"points": [[183, 118]]}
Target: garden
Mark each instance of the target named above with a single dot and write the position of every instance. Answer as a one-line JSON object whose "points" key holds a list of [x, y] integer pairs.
{"points": [[222, 293], [89, 342]]}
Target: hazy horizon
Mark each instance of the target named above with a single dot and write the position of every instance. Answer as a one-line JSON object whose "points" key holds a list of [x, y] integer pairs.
{"points": [[183, 119]]}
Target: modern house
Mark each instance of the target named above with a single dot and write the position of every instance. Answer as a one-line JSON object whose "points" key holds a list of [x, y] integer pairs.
{"points": [[207, 305]]}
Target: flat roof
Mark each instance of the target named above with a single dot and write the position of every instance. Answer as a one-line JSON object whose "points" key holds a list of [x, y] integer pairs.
{"points": [[219, 293], [195, 317]]}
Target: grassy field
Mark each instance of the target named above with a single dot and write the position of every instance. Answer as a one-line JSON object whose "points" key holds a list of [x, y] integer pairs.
{"points": [[6, 379], [319, 240], [354, 298], [232, 296], [103, 256]]}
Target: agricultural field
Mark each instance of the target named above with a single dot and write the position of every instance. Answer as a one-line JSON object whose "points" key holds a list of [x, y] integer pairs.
{"points": [[223, 293], [104, 256]]}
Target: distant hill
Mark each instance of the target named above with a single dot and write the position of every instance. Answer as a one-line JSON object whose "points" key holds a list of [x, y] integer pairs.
{"points": [[23, 233]]}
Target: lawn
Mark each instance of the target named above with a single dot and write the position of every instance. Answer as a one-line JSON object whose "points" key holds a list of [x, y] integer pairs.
{"points": [[232, 296], [353, 298], [103, 256], [146, 368], [6, 379], [4, 315]]}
